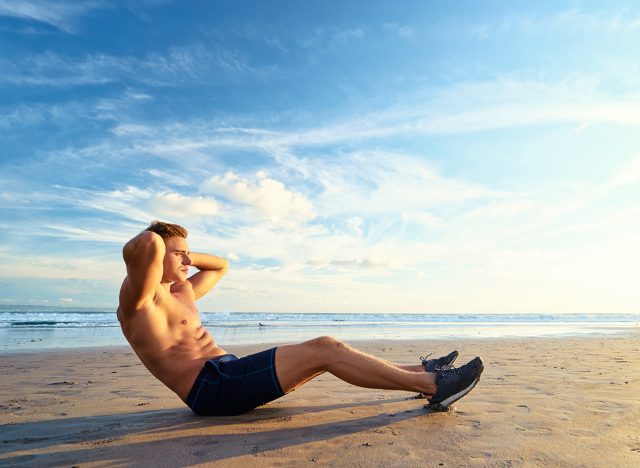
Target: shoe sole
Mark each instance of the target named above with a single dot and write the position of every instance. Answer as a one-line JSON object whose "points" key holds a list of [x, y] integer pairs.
{"points": [[444, 404]]}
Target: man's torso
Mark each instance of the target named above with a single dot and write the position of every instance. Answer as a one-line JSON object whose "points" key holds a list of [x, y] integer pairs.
{"points": [[167, 335]]}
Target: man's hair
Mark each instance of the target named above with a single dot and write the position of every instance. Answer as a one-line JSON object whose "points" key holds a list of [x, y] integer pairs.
{"points": [[166, 230]]}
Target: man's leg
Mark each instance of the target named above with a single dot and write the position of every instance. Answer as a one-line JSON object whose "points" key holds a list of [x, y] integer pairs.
{"points": [[299, 363]]}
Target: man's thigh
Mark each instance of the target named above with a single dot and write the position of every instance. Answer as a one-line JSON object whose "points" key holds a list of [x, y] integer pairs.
{"points": [[299, 363]]}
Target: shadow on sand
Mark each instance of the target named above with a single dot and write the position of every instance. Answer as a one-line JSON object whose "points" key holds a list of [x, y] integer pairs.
{"points": [[179, 438]]}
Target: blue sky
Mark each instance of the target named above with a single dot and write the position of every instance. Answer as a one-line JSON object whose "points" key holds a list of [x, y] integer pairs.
{"points": [[345, 156]]}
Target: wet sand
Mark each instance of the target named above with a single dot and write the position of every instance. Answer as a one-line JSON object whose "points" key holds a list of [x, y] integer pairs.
{"points": [[547, 402]]}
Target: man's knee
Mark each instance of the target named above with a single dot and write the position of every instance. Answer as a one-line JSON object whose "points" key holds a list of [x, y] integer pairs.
{"points": [[326, 343], [326, 349]]}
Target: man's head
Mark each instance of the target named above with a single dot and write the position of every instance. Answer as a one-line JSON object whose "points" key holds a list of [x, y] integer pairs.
{"points": [[176, 258], [167, 230]]}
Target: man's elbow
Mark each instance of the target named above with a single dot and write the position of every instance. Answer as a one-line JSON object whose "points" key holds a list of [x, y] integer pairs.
{"points": [[147, 242]]}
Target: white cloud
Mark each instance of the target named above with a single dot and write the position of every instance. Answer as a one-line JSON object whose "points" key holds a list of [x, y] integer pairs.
{"points": [[468, 107], [385, 183], [571, 21], [88, 267], [125, 129], [576, 20], [427, 220], [267, 196], [404, 31], [170, 178], [143, 205], [628, 174], [373, 262], [60, 14], [488, 243], [328, 39], [95, 234], [178, 65], [175, 205]]}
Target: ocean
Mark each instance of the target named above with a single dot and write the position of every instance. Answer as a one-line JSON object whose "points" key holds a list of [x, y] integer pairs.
{"points": [[41, 327]]}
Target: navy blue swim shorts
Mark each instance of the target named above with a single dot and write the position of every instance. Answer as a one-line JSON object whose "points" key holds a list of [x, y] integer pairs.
{"points": [[228, 385]]}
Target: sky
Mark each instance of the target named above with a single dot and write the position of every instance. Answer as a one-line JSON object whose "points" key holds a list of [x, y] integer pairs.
{"points": [[439, 157]]}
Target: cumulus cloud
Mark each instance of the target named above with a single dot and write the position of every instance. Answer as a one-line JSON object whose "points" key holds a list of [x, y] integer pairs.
{"points": [[175, 205], [267, 196]]}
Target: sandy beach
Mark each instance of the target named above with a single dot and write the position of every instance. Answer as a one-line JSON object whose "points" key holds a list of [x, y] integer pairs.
{"points": [[547, 402]]}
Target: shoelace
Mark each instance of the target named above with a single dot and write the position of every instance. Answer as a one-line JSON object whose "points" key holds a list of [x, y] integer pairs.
{"points": [[438, 368]]}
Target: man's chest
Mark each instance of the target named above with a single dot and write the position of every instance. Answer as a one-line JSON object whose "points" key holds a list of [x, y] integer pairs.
{"points": [[180, 309]]}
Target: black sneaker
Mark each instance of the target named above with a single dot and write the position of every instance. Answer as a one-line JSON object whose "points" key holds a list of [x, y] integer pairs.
{"points": [[442, 363], [453, 384]]}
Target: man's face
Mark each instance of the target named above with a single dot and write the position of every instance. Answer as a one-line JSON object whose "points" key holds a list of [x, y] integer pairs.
{"points": [[176, 260]]}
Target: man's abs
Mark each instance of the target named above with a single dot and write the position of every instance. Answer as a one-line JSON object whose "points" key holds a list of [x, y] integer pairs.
{"points": [[173, 347], [178, 366]]}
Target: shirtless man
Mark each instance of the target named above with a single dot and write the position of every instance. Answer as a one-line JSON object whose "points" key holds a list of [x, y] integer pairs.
{"points": [[159, 318]]}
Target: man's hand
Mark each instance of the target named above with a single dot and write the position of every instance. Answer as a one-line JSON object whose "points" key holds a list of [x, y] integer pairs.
{"points": [[211, 268]]}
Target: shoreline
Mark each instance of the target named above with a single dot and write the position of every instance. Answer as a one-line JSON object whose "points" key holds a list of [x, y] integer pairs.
{"points": [[613, 332], [541, 401]]}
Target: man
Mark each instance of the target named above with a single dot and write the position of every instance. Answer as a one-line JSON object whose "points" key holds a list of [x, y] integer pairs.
{"points": [[159, 318]]}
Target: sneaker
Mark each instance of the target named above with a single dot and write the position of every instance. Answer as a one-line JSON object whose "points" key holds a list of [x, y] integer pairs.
{"points": [[453, 384], [442, 363]]}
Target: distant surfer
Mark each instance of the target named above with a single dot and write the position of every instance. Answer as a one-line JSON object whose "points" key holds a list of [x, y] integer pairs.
{"points": [[159, 318]]}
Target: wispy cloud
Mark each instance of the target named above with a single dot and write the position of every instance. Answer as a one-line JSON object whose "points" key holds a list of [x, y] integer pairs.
{"points": [[144, 205], [465, 108], [403, 31], [177, 66], [63, 15], [628, 174], [325, 39], [567, 22]]}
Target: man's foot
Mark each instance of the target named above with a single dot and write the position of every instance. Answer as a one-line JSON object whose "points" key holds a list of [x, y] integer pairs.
{"points": [[441, 363], [453, 384]]}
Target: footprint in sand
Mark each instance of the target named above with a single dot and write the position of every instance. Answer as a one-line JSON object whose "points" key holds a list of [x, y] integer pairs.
{"points": [[582, 433], [609, 406]]}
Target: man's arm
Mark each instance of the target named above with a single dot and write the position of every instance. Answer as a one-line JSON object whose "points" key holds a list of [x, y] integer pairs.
{"points": [[211, 268], [143, 256]]}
